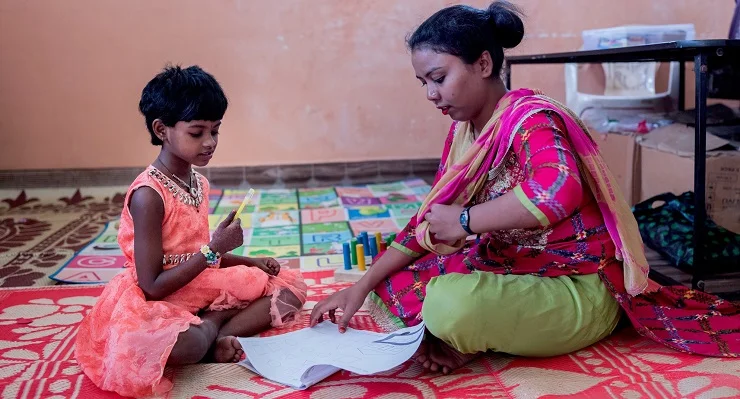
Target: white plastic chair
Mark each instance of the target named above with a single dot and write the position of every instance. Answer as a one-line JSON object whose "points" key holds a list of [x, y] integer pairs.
{"points": [[620, 92], [628, 85]]}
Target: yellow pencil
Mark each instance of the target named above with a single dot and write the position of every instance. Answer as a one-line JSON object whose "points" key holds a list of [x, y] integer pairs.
{"points": [[247, 198]]}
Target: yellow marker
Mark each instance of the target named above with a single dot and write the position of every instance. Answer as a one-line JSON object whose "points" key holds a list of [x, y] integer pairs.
{"points": [[360, 257], [378, 239], [247, 198]]}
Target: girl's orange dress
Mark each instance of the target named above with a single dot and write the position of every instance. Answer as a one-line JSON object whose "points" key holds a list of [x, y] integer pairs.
{"points": [[124, 342]]}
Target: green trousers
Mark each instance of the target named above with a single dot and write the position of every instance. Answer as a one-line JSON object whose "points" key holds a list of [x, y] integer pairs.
{"points": [[519, 314]]}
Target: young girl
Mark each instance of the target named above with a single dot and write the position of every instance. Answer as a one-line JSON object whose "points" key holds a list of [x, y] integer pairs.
{"points": [[184, 298]]}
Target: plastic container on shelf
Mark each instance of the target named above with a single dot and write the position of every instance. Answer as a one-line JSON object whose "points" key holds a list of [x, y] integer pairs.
{"points": [[628, 85], [635, 35]]}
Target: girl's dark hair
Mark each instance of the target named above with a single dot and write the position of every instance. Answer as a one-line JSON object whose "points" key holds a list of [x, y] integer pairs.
{"points": [[467, 32], [178, 94]]}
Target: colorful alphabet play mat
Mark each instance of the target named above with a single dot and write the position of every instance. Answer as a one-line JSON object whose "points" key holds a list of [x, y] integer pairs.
{"points": [[303, 228]]}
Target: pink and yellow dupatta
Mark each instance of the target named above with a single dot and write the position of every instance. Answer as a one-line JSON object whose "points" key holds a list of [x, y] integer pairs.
{"points": [[462, 178]]}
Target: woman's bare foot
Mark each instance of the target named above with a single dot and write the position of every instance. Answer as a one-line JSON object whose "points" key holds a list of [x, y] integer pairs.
{"points": [[227, 350], [422, 354], [443, 357]]}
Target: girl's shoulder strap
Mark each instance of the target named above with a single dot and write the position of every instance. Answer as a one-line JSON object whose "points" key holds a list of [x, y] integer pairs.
{"points": [[147, 178], [126, 226]]}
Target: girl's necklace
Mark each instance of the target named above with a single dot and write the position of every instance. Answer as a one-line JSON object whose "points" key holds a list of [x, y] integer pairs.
{"points": [[193, 192]]}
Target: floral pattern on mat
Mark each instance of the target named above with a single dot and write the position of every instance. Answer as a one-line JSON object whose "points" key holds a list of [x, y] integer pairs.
{"points": [[38, 325], [40, 230]]}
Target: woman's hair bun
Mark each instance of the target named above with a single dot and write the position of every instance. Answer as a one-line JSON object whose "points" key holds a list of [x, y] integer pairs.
{"points": [[505, 19]]}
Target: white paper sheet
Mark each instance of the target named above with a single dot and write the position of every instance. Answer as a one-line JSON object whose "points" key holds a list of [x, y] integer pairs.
{"points": [[302, 358]]}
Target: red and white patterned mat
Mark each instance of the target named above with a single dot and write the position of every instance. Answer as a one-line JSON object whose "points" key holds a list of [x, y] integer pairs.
{"points": [[38, 327]]}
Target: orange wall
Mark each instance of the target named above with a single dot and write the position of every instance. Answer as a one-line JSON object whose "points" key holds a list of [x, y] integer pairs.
{"points": [[309, 81]]}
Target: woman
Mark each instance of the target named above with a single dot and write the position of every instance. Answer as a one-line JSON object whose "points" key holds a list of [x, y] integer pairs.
{"points": [[555, 256]]}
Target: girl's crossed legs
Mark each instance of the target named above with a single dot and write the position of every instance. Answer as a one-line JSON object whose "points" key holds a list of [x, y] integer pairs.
{"points": [[215, 338]]}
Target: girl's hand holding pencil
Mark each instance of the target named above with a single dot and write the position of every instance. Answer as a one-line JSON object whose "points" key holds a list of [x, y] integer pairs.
{"points": [[228, 235]]}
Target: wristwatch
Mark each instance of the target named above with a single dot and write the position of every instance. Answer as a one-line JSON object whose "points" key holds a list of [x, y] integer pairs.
{"points": [[465, 220], [213, 259]]}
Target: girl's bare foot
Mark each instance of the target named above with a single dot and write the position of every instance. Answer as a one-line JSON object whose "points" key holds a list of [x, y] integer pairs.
{"points": [[227, 350], [443, 357]]}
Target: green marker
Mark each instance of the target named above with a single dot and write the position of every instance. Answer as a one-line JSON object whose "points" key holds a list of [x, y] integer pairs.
{"points": [[353, 250]]}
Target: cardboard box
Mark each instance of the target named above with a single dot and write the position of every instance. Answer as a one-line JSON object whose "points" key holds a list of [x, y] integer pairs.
{"points": [[666, 160], [620, 154], [616, 132]]}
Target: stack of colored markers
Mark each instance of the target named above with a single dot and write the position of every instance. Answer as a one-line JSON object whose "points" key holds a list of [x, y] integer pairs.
{"points": [[363, 245]]}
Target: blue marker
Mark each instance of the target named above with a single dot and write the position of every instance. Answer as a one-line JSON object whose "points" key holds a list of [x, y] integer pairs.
{"points": [[373, 246], [365, 241], [347, 258]]}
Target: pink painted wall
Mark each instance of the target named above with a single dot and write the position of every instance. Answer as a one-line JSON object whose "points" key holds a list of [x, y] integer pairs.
{"points": [[308, 81]]}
